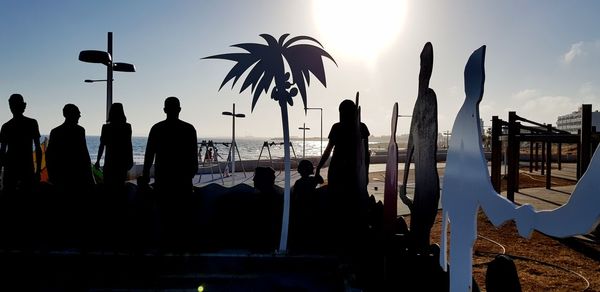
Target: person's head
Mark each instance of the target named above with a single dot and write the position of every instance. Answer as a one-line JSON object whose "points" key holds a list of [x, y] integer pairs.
{"points": [[305, 168], [116, 114], [172, 107], [347, 111], [264, 178], [71, 113], [17, 104]]}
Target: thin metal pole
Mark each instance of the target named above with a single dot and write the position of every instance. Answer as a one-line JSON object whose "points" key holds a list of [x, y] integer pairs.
{"points": [[321, 110], [303, 139], [233, 145], [109, 76], [321, 131]]}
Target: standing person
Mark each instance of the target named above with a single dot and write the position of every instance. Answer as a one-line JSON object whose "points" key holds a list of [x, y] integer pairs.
{"points": [[341, 174], [305, 212], [345, 175], [173, 148], [67, 156], [17, 135], [116, 137]]}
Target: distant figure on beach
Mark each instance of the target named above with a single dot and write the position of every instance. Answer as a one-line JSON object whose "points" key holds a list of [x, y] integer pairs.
{"points": [[116, 138], [208, 157], [342, 175], [422, 142], [173, 148], [67, 157], [18, 134]]}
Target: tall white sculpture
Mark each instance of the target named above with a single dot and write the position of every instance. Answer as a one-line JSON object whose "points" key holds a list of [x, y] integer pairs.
{"points": [[467, 184]]}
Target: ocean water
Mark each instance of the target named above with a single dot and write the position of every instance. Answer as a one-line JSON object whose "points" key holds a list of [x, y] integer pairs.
{"points": [[249, 149]]}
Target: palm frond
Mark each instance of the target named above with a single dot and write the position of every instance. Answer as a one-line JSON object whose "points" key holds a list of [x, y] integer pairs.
{"points": [[271, 41], [244, 61], [282, 39], [304, 59], [301, 38]]}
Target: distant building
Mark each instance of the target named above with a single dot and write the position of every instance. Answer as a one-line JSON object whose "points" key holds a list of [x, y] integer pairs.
{"points": [[572, 122]]}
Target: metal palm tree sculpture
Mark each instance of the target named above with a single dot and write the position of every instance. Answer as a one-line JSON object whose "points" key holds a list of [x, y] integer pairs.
{"points": [[268, 63]]}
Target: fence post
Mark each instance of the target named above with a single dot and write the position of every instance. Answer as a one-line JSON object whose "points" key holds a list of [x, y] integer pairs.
{"points": [[530, 156], [496, 153], [543, 168], [559, 150], [513, 161], [579, 155], [537, 155], [549, 159], [585, 137]]}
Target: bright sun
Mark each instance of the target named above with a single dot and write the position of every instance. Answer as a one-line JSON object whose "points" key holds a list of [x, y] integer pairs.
{"points": [[359, 28]]}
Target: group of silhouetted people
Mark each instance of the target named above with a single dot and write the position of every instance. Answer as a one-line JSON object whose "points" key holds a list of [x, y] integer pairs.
{"points": [[171, 148], [166, 208]]}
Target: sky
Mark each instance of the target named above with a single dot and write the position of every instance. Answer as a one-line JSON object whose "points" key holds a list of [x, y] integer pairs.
{"points": [[543, 59]]}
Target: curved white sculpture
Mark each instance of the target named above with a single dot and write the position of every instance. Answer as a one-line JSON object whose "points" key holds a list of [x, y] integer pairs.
{"points": [[467, 182]]}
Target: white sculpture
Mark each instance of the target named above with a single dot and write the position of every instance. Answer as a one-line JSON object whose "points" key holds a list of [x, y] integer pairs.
{"points": [[467, 184], [579, 215]]}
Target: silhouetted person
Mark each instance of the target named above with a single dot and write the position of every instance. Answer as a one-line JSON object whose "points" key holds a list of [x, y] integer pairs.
{"points": [[268, 207], [173, 148], [345, 176], [17, 135], [67, 156], [307, 181], [422, 144], [344, 139], [305, 207], [116, 137]]}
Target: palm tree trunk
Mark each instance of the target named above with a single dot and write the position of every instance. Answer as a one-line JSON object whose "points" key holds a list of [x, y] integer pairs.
{"points": [[287, 165]]}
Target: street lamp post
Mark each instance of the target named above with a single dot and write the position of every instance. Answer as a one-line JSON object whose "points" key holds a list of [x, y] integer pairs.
{"points": [[303, 128], [233, 145], [94, 56], [405, 116], [320, 109], [447, 133]]}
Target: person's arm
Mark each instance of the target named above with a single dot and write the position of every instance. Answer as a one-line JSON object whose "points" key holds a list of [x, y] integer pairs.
{"points": [[193, 153], [38, 151], [410, 148], [2, 153], [38, 158], [149, 157], [324, 158], [2, 146], [129, 148], [101, 147], [100, 152]]}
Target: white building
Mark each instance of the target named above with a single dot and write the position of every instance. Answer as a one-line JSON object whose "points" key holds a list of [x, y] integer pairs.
{"points": [[572, 122]]}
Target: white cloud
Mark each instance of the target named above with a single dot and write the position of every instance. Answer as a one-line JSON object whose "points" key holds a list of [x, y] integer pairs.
{"points": [[526, 93], [589, 93], [576, 50], [546, 109]]}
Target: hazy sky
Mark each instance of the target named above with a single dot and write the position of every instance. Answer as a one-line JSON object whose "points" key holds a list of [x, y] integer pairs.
{"points": [[543, 58]]}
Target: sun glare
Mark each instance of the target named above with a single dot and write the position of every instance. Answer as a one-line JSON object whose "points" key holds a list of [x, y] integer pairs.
{"points": [[358, 28]]}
